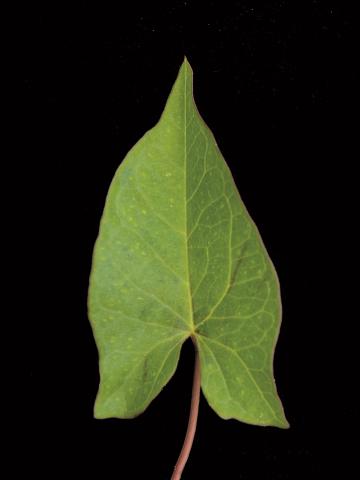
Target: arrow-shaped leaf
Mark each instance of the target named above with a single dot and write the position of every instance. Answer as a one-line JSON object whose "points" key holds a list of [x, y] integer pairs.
{"points": [[178, 256]]}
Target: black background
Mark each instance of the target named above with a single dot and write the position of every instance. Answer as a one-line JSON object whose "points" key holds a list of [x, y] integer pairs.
{"points": [[273, 80]]}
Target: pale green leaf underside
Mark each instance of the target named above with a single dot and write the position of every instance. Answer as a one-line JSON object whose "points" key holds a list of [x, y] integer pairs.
{"points": [[178, 255]]}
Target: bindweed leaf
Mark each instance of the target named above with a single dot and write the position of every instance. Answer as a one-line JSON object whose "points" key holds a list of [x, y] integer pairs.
{"points": [[177, 256]]}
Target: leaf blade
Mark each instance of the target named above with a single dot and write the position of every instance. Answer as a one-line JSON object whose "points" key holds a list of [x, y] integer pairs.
{"points": [[201, 266]]}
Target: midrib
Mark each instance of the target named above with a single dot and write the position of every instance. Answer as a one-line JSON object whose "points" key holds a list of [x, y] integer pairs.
{"points": [[192, 325]]}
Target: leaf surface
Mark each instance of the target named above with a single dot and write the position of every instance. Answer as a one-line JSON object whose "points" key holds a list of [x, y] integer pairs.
{"points": [[177, 256]]}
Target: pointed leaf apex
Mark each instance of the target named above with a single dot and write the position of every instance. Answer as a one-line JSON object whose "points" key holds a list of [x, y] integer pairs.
{"points": [[181, 95], [186, 61], [187, 71]]}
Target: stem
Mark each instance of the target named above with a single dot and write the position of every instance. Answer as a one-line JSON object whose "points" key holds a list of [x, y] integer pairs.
{"points": [[191, 428]]}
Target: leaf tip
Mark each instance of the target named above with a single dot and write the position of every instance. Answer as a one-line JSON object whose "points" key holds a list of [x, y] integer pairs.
{"points": [[186, 62], [186, 68]]}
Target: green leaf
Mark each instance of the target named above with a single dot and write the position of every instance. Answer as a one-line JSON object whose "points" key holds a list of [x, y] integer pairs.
{"points": [[177, 256]]}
